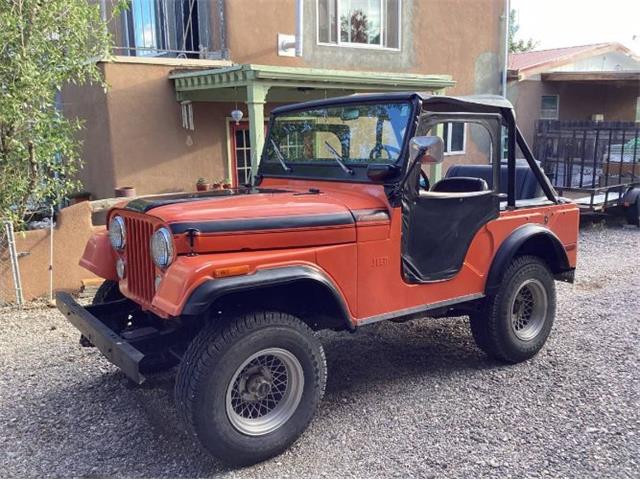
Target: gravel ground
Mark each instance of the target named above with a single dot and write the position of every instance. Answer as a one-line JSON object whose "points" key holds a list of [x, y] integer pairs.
{"points": [[414, 399]]}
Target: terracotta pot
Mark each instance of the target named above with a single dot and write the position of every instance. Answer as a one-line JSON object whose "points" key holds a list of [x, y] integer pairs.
{"points": [[203, 187], [226, 186], [125, 192], [216, 186]]}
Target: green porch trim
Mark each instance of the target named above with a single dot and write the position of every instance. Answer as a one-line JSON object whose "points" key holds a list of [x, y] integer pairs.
{"points": [[257, 84]]}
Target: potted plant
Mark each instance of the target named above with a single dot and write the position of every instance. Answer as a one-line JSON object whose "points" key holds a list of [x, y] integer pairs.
{"points": [[202, 185], [226, 183], [125, 192], [217, 185]]}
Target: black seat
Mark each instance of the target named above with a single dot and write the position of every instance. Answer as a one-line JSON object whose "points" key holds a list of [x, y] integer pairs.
{"points": [[460, 184], [527, 185]]}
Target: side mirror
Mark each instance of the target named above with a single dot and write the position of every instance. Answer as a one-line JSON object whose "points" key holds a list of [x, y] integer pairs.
{"points": [[426, 149]]}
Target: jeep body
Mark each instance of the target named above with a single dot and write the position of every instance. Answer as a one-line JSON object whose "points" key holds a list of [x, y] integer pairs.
{"points": [[343, 226]]}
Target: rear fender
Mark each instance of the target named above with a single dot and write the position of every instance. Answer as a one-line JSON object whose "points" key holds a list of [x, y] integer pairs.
{"points": [[530, 240], [99, 257]]}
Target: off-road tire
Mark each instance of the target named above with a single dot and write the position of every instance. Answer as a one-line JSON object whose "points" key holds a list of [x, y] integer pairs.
{"points": [[492, 326], [213, 360], [109, 291]]}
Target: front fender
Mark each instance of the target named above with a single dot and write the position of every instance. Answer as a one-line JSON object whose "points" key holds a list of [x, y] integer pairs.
{"points": [[99, 257], [209, 291]]}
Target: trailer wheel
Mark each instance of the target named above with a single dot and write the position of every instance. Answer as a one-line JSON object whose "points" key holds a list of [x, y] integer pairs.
{"points": [[633, 213], [248, 389], [513, 325]]}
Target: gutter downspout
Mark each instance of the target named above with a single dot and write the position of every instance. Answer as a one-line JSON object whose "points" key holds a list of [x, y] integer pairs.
{"points": [[297, 44]]}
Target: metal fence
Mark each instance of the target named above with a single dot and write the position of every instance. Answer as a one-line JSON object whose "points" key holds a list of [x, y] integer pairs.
{"points": [[583, 155], [10, 280]]}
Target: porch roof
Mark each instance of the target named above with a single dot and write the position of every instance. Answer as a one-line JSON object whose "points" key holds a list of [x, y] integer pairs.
{"points": [[631, 76], [285, 84]]}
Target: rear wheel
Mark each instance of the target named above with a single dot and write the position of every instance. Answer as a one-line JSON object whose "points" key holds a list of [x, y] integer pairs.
{"points": [[248, 389], [513, 325]]}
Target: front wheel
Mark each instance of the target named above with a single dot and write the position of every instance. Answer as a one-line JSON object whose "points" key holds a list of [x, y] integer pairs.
{"points": [[513, 325], [248, 389]]}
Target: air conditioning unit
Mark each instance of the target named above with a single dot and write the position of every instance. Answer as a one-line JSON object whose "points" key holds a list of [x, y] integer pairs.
{"points": [[597, 117]]}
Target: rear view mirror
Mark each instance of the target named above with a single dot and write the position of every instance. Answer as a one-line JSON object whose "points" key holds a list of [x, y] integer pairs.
{"points": [[349, 114], [426, 149]]}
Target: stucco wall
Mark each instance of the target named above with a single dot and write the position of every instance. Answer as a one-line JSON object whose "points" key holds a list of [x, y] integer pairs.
{"points": [[454, 37], [70, 236]]}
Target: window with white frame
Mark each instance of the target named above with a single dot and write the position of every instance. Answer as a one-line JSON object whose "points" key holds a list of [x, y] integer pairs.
{"points": [[454, 136], [549, 107], [360, 23]]}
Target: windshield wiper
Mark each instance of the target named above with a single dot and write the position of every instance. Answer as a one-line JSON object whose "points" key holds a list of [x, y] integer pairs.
{"points": [[338, 159], [286, 167]]}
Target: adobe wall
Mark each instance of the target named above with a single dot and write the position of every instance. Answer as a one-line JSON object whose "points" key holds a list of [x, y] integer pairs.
{"points": [[70, 236]]}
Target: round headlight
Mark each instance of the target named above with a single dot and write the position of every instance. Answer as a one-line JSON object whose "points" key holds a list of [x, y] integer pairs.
{"points": [[120, 268], [162, 247], [117, 232]]}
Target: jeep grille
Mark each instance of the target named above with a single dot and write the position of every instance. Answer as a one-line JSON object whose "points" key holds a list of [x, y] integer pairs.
{"points": [[140, 268]]}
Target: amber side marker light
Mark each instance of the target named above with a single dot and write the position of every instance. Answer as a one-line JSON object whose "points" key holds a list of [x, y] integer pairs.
{"points": [[231, 271]]}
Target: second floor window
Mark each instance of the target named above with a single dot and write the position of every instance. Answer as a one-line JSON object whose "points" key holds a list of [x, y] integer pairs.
{"points": [[166, 28], [359, 23]]}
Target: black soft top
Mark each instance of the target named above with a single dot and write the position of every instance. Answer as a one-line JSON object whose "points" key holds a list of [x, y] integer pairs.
{"points": [[471, 103]]}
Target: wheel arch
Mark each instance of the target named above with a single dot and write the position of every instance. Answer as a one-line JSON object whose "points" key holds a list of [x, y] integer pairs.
{"points": [[534, 240], [301, 290]]}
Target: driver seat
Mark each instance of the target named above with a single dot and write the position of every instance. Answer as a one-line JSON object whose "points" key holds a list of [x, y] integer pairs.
{"points": [[460, 185]]}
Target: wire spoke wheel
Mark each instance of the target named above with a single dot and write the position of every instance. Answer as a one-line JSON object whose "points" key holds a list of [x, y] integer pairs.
{"points": [[265, 391], [529, 309]]}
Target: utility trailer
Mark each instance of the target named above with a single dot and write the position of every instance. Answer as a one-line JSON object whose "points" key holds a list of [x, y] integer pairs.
{"points": [[596, 164]]}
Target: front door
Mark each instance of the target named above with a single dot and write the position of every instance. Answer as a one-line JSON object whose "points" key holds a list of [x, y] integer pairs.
{"points": [[240, 154]]}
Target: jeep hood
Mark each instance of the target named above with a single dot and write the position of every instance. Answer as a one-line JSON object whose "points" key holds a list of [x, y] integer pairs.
{"points": [[254, 219]]}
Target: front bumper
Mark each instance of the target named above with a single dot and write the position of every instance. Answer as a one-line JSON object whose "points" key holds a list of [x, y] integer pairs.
{"points": [[115, 348]]}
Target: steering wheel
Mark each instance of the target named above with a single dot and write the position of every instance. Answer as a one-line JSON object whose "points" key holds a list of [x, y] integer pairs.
{"points": [[376, 152], [424, 181]]}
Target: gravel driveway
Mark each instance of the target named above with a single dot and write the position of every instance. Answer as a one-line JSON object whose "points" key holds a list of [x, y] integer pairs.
{"points": [[413, 399]]}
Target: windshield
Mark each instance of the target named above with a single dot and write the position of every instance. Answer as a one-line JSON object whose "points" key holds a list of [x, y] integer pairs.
{"points": [[337, 138]]}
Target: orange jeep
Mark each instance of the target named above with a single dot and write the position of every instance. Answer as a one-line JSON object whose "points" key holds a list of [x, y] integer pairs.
{"points": [[344, 226]]}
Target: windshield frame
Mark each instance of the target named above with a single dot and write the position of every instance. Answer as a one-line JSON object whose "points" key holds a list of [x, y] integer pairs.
{"points": [[334, 173]]}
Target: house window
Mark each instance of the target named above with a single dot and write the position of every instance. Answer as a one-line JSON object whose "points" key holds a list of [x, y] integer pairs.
{"points": [[454, 136], [359, 23], [166, 28], [549, 107]]}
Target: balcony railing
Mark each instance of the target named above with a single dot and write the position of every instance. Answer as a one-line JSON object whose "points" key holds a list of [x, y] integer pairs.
{"points": [[169, 28]]}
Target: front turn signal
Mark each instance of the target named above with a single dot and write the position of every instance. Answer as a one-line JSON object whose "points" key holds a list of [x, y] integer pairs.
{"points": [[231, 271]]}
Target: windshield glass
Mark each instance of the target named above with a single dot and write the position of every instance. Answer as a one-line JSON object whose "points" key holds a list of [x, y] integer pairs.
{"points": [[338, 137]]}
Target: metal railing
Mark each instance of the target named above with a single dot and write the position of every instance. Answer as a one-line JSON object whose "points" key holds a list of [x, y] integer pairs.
{"points": [[169, 29], [583, 155], [9, 293]]}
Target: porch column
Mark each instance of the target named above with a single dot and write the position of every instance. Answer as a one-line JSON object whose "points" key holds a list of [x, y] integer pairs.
{"points": [[256, 98]]}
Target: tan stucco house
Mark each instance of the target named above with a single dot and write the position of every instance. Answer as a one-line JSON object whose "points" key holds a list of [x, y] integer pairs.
{"points": [[180, 68], [599, 83]]}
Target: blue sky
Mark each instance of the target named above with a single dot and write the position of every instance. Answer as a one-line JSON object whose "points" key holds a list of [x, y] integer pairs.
{"points": [[565, 23]]}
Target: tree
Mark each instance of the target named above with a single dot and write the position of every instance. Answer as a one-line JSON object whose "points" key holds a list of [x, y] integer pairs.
{"points": [[518, 46], [44, 44]]}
